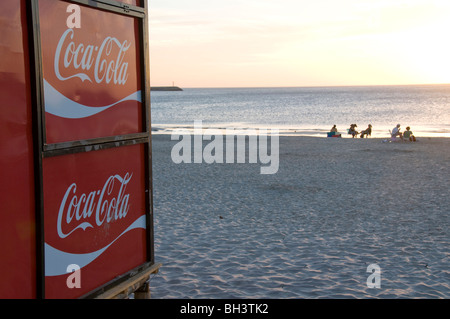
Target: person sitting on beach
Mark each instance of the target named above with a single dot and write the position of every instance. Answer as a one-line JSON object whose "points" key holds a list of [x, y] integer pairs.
{"points": [[352, 130], [367, 131], [396, 132], [334, 132], [409, 135]]}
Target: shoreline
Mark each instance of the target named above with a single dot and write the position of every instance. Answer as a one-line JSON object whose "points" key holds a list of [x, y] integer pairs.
{"points": [[370, 140], [243, 128]]}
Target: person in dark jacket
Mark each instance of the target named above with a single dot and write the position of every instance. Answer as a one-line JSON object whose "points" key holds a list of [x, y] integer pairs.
{"points": [[367, 131]]}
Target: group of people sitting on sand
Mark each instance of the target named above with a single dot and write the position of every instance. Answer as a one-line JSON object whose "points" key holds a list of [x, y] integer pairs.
{"points": [[352, 130], [407, 135]]}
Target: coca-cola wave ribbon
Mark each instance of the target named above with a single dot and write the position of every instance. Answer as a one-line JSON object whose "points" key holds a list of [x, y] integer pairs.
{"points": [[56, 261], [59, 105]]}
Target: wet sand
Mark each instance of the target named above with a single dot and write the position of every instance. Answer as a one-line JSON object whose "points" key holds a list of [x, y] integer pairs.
{"points": [[334, 207]]}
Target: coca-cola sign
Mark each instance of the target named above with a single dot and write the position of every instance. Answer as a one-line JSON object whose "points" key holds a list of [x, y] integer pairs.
{"points": [[91, 74], [95, 199], [108, 204], [103, 65], [95, 216]]}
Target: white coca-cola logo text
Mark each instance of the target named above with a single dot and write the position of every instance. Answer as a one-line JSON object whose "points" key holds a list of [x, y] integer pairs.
{"points": [[108, 204], [104, 63]]}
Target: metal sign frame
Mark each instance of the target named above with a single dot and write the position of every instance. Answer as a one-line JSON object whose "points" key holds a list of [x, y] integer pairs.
{"points": [[44, 150]]}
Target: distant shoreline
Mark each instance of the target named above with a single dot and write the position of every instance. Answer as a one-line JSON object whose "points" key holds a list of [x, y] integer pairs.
{"points": [[165, 88]]}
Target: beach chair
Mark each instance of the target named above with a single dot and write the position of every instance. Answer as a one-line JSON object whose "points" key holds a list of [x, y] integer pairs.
{"points": [[394, 138]]}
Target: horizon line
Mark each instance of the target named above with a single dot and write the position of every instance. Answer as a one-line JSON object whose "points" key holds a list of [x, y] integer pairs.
{"points": [[300, 86]]}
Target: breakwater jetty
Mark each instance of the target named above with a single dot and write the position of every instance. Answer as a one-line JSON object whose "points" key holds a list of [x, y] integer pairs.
{"points": [[165, 88]]}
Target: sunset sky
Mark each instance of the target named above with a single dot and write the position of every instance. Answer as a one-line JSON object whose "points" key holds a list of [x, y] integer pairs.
{"points": [[268, 43]]}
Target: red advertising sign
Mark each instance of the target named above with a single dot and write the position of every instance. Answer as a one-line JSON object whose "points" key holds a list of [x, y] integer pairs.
{"points": [[91, 72], [95, 199], [74, 121], [95, 217]]}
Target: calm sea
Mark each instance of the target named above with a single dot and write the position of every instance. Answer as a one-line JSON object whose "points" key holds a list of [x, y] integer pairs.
{"points": [[307, 111]]}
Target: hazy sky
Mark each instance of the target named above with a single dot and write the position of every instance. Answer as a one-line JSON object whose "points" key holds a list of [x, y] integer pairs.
{"points": [[252, 43]]}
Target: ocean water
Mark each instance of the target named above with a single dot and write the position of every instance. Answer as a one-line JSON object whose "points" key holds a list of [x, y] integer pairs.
{"points": [[308, 111]]}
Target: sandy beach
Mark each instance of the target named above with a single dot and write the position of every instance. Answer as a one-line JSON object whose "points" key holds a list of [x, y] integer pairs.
{"points": [[334, 207]]}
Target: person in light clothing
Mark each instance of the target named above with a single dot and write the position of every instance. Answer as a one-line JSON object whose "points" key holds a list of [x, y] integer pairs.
{"points": [[396, 132]]}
